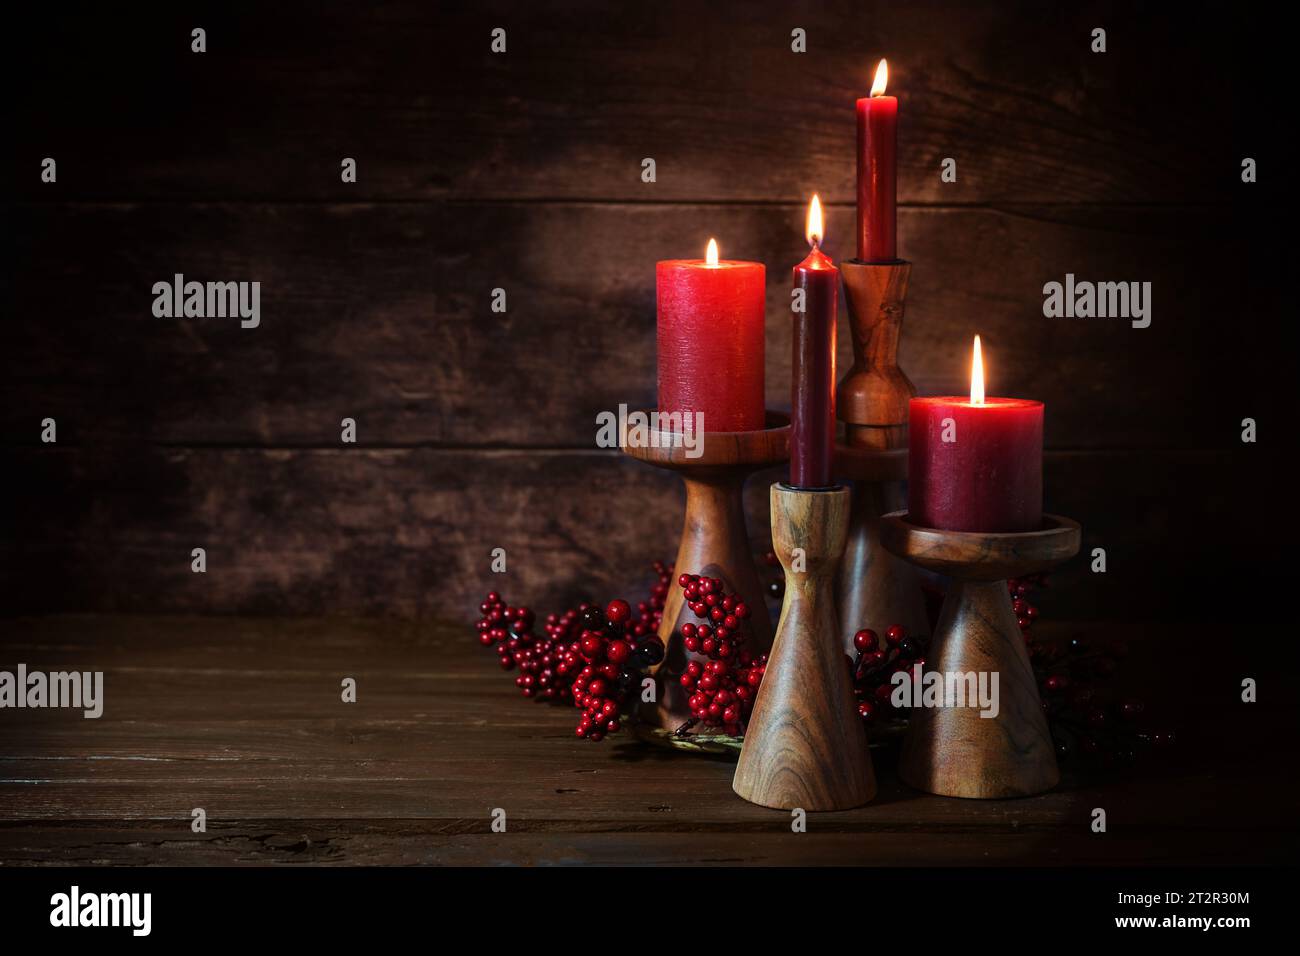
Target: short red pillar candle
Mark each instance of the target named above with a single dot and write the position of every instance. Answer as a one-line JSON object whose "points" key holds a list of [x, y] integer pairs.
{"points": [[710, 340], [812, 415], [976, 464], [878, 172]]}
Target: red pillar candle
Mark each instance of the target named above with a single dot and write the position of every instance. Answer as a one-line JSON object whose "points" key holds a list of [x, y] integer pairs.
{"points": [[977, 464], [877, 172], [812, 417], [710, 340]]}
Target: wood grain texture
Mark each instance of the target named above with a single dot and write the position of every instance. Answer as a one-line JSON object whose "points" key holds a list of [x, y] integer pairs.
{"points": [[956, 751], [874, 391], [242, 716], [962, 749], [583, 94], [982, 556], [382, 313], [409, 532], [804, 743], [873, 588], [714, 542], [522, 172]]}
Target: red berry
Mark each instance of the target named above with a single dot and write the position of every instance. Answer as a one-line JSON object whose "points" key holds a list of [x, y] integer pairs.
{"points": [[866, 640], [618, 651], [895, 634], [618, 611]]}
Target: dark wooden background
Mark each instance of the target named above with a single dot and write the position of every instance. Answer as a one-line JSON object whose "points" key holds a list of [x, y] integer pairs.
{"points": [[521, 171]]}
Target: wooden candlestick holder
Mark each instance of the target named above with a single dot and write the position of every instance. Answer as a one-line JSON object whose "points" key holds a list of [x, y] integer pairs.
{"points": [[953, 750], [713, 542], [875, 589], [804, 744]]}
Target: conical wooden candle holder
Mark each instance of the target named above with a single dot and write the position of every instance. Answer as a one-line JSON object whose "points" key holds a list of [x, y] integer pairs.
{"points": [[953, 750], [875, 589], [804, 744], [713, 542]]}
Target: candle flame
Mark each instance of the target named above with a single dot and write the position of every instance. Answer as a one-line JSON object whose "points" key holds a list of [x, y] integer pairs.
{"points": [[882, 77], [977, 375], [711, 254], [815, 230]]}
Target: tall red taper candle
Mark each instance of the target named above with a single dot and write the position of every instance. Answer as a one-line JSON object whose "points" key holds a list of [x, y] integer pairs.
{"points": [[977, 464], [710, 340], [877, 172], [812, 417]]}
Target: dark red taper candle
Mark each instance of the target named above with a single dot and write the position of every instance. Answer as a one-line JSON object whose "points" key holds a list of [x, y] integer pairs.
{"points": [[812, 417], [878, 172]]}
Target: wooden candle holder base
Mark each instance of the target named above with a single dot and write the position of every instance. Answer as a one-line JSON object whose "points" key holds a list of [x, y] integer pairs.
{"points": [[953, 750], [713, 542], [875, 589], [804, 745]]}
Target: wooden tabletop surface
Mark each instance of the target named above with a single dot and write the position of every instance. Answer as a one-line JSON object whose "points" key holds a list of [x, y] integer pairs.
{"points": [[243, 718]]}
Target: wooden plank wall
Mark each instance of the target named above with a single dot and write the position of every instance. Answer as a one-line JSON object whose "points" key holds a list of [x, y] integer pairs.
{"points": [[476, 430]]}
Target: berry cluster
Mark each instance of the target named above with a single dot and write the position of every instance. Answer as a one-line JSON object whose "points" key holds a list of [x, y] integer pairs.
{"points": [[724, 685], [1018, 588], [1085, 717], [608, 665], [875, 665], [580, 652]]}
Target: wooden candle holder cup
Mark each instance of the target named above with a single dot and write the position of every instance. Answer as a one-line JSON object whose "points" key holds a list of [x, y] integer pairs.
{"points": [[713, 542], [953, 750], [875, 391], [804, 744], [875, 589]]}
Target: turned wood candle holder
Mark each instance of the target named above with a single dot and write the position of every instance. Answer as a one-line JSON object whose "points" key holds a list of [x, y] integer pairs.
{"points": [[875, 589], [713, 542], [804, 744], [953, 750]]}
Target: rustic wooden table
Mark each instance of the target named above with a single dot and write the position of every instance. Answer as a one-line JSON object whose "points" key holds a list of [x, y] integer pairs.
{"points": [[243, 717]]}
